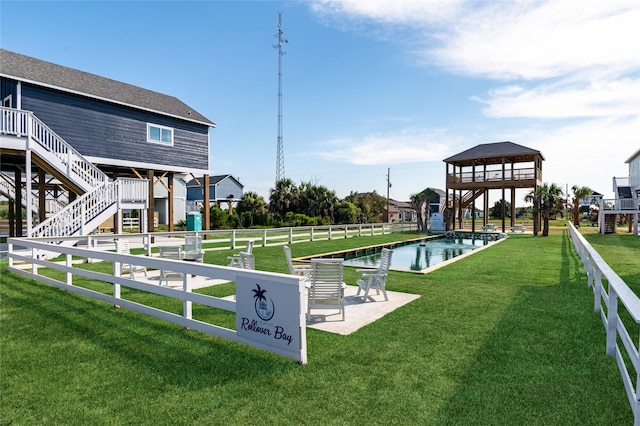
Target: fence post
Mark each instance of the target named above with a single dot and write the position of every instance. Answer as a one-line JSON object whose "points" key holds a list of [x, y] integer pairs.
{"points": [[311, 233], [186, 303], [264, 238], [346, 231], [597, 291], [233, 239], [117, 270], [590, 269], [68, 259], [329, 232], [612, 322], [290, 235]]}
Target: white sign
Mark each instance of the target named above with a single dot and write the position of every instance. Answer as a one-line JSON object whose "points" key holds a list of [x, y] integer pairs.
{"points": [[269, 312]]}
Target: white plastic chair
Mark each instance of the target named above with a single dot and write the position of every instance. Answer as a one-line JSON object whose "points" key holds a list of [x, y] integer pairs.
{"points": [[326, 289], [234, 261], [300, 270], [247, 261], [193, 248], [372, 279], [122, 247], [175, 253]]}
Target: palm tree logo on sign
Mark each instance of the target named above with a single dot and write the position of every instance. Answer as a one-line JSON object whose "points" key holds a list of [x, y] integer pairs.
{"points": [[264, 308]]}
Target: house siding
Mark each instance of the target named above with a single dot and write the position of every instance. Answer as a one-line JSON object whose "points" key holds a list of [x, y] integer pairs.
{"points": [[228, 187], [9, 87], [101, 129], [218, 191]]}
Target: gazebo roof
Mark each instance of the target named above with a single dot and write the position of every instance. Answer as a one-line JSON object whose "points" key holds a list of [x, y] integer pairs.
{"points": [[493, 153]]}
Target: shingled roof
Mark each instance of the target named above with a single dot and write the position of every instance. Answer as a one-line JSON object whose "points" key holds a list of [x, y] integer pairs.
{"points": [[38, 72], [492, 153]]}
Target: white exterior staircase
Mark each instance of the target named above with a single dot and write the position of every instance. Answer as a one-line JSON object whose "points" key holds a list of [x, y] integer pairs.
{"points": [[23, 131]]}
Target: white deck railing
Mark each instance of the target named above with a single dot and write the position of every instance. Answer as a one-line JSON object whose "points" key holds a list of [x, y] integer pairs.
{"points": [[101, 193], [25, 124], [76, 217], [629, 205], [612, 297]]}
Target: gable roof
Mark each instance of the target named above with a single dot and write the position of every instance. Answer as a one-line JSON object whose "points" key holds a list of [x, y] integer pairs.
{"points": [[214, 180], [42, 73], [492, 153], [634, 155]]}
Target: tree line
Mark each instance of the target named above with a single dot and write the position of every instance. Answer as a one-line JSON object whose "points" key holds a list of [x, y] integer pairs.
{"points": [[306, 204]]}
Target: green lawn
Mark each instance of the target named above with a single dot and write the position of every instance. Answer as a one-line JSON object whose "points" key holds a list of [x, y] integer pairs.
{"points": [[504, 337]]}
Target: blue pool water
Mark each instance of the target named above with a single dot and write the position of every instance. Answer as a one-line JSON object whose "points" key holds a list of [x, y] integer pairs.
{"points": [[422, 255]]}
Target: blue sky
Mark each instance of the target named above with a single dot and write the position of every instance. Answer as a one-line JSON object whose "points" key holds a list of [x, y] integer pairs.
{"points": [[369, 85]]}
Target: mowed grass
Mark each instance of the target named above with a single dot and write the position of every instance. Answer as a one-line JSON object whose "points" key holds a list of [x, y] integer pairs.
{"points": [[504, 337]]}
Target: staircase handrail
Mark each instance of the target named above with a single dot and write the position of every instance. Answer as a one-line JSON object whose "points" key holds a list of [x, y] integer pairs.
{"points": [[7, 188], [74, 218], [25, 123]]}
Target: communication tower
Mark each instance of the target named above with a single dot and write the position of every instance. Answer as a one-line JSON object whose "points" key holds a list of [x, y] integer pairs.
{"points": [[280, 148]]}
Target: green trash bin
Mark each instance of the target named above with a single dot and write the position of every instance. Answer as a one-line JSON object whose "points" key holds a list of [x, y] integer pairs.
{"points": [[194, 221]]}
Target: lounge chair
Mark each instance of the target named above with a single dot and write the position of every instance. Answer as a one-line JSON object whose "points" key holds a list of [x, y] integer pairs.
{"points": [[234, 261], [300, 270], [193, 249], [326, 290], [247, 261], [122, 247], [175, 253], [372, 279]]}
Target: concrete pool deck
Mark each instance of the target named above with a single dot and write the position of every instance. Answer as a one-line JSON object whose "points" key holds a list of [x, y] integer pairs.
{"points": [[358, 313]]}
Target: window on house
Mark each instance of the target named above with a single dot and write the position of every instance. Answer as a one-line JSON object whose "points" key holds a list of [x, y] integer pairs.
{"points": [[159, 134]]}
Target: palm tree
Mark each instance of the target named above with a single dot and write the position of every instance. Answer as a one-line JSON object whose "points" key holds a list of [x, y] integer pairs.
{"points": [[251, 202], [579, 193], [284, 197], [417, 201], [548, 200]]}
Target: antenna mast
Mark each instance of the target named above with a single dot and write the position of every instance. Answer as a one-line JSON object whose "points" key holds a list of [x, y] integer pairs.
{"points": [[280, 149]]}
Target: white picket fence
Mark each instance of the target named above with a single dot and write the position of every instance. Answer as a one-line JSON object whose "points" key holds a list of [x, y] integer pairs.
{"points": [[613, 297]]}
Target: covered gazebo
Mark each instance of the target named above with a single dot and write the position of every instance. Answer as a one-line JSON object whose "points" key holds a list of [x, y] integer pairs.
{"points": [[492, 166]]}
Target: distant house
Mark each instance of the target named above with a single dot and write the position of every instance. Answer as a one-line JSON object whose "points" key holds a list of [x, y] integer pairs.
{"points": [[627, 199], [436, 198], [222, 189], [634, 171], [399, 211], [592, 200], [123, 130]]}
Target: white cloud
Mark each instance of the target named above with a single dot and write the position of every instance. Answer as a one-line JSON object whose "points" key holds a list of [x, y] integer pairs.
{"points": [[560, 100], [588, 153], [406, 146], [566, 62], [387, 12], [537, 40]]}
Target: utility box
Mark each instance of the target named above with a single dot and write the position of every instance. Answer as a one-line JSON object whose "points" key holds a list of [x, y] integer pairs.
{"points": [[194, 221]]}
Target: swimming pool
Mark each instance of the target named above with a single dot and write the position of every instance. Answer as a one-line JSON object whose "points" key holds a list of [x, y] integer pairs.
{"points": [[419, 256]]}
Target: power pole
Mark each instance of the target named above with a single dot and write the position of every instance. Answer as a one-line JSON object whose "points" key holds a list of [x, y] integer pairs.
{"points": [[388, 186], [280, 148]]}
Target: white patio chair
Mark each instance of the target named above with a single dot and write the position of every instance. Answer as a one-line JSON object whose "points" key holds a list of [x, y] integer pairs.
{"points": [[122, 247], [234, 261], [326, 289], [247, 260], [175, 253], [300, 270], [193, 248], [372, 279]]}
